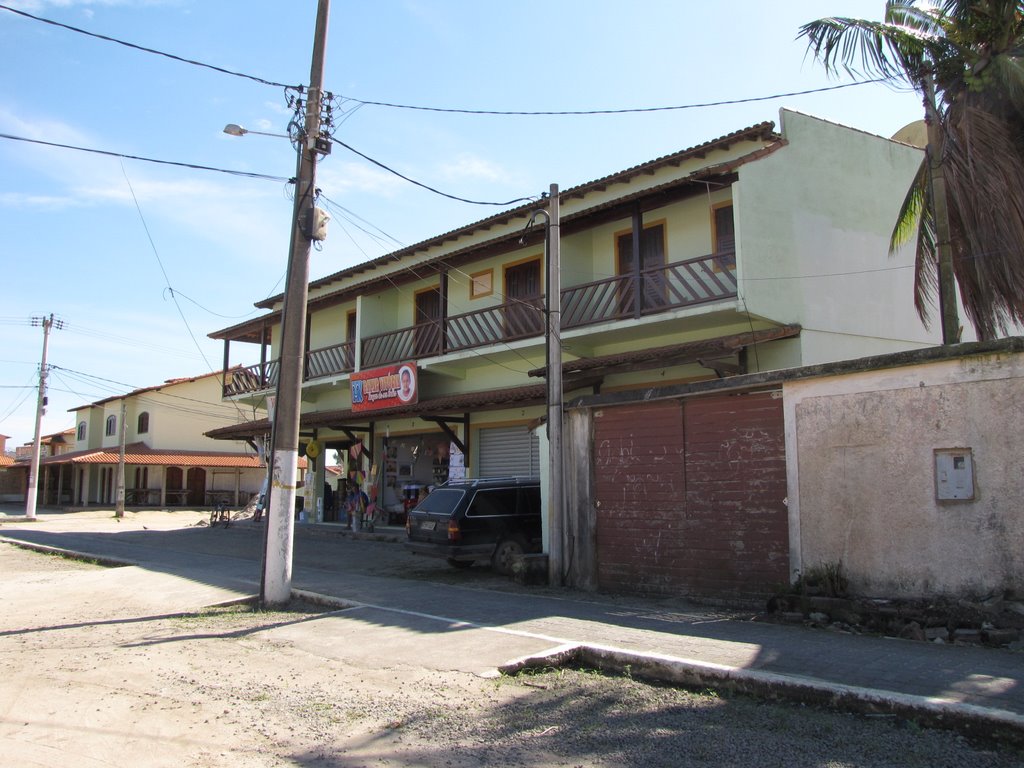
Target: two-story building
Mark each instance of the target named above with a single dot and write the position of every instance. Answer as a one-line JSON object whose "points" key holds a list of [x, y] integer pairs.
{"points": [[755, 251], [168, 460]]}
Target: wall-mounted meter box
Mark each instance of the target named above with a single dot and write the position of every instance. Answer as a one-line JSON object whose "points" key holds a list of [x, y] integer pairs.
{"points": [[954, 474]]}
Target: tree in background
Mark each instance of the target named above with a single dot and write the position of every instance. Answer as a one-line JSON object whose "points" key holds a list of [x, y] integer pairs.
{"points": [[966, 203]]}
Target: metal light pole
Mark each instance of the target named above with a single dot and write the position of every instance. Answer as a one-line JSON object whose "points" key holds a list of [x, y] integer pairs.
{"points": [[277, 576]]}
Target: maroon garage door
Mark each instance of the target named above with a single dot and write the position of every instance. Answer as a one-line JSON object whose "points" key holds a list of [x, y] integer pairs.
{"points": [[691, 496]]}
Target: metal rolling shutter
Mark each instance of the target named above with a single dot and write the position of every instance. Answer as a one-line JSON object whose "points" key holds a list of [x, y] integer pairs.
{"points": [[508, 452]]}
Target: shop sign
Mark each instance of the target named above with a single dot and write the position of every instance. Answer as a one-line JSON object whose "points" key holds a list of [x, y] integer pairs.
{"points": [[385, 387]]}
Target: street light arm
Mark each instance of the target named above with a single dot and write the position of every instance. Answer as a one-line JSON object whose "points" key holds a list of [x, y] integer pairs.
{"points": [[233, 129], [530, 223]]}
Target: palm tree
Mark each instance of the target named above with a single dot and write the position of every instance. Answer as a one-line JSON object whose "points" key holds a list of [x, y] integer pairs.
{"points": [[966, 204]]}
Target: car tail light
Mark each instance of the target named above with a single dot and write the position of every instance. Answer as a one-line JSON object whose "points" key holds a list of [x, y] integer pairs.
{"points": [[454, 534]]}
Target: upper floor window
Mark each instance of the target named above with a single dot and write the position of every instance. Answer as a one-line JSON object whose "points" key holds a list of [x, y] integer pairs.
{"points": [[350, 326], [723, 236], [524, 298], [481, 284], [427, 340], [651, 264], [80, 434], [143, 426], [111, 425]]}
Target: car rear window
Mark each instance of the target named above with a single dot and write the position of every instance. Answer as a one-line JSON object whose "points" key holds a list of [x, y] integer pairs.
{"points": [[441, 501], [493, 501]]}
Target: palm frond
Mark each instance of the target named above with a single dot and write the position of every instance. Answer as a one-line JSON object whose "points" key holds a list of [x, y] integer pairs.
{"points": [[984, 164], [915, 222], [972, 51], [865, 48], [911, 209]]}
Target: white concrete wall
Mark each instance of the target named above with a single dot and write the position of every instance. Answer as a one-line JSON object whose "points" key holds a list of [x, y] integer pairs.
{"points": [[180, 413], [861, 469], [813, 222]]}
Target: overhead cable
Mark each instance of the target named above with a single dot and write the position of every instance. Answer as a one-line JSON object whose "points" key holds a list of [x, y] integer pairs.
{"points": [[425, 186], [247, 174], [623, 111], [148, 50]]}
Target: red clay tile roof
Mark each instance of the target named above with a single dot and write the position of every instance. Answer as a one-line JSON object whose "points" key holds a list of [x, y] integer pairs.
{"points": [[6, 461], [764, 131], [141, 454], [143, 390]]}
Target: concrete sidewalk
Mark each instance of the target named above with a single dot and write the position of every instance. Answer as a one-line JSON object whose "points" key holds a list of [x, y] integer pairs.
{"points": [[968, 688]]}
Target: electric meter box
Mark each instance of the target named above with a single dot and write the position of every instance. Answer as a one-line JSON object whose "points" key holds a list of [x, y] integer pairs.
{"points": [[954, 474], [316, 229]]}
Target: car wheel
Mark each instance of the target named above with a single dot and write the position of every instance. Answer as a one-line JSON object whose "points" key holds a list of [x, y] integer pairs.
{"points": [[505, 554], [460, 564]]}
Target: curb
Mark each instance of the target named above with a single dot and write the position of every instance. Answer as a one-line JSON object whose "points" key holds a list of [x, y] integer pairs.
{"points": [[966, 719], [107, 562]]}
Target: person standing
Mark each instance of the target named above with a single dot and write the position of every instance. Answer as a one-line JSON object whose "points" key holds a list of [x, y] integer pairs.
{"points": [[358, 502]]}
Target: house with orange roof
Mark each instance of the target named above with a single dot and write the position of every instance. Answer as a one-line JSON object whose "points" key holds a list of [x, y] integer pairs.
{"points": [[168, 461]]}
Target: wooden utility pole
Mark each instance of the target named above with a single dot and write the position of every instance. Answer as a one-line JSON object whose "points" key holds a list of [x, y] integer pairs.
{"points": [[277, 575]]}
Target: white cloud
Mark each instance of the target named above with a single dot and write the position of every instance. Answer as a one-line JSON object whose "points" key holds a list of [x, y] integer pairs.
{"points": [[356, 177], [41, 202], [86, 5], [468, 166]]}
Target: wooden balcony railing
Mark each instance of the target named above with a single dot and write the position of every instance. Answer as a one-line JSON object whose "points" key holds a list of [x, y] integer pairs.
{"points": [[328, 361], [681, 284], [252, 379]]}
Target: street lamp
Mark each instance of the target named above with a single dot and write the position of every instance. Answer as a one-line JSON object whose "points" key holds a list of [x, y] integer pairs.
{"points": [[232, 129]]}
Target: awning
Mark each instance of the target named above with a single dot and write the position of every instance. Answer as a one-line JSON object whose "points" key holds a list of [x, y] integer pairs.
{"points": [[468, 402], [703, 351]]}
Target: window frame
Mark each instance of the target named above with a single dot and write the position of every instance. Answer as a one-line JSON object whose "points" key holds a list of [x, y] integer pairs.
{"points": [[142, 423], [715, 246], [110, 430], [619, 234], [481, 284]]}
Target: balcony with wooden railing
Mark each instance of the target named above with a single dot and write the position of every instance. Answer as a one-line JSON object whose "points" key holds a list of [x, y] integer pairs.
{"points": [[661, 289], [254, 378]]}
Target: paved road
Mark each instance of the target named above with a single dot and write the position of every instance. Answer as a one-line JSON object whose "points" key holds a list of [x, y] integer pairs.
{"points": [[474, 620]]}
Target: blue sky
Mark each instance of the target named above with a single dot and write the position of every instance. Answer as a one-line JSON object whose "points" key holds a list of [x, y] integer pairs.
{"points": [[142, 261]]}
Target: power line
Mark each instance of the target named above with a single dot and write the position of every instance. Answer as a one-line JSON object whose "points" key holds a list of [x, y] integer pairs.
{"points": [[129, 342], [167, 280], [427, 187], [147, 50], [354, 215], [622, 111], [251, 175], [246, 174], [177, 293], [159, 261]]}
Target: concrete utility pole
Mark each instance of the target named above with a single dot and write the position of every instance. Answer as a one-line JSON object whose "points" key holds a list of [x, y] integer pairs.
{"points": [[277, 576], [119, 506], [32, 492], [556, 492]]}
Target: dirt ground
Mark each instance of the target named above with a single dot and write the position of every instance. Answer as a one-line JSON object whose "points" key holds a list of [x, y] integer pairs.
{"points": [[103, 682]]}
